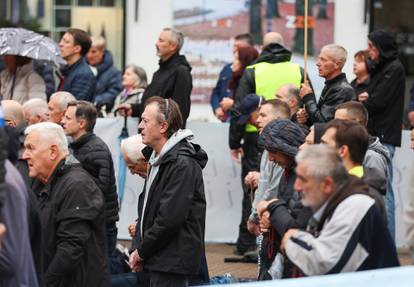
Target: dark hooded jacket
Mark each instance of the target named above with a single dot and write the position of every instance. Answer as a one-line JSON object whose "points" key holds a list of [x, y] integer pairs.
{"points": [[72, 251], [174, 218], [335, 92], [172, 80], [78, 80], [272, 53], [386, 90], [108, 82], [96, 159]]}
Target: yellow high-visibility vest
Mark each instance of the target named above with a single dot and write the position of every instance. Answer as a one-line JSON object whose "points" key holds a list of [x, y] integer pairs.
{"points": [[269, 77]]}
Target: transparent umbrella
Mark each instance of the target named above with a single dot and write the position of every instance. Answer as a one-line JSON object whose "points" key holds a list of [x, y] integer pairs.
{"points": [[26, 43]]}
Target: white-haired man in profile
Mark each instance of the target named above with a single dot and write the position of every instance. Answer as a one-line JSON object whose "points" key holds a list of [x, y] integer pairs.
{"points": [[70, 249], [131, 149], [58, 104], [347, 231], [35, 111], [337, 90]]}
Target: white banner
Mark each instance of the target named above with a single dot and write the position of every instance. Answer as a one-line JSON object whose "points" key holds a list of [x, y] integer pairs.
{"points": [[222, 179]]}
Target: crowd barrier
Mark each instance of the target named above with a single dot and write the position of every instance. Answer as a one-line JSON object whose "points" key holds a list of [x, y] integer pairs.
{"points": [[222, 179], [398, 276]]}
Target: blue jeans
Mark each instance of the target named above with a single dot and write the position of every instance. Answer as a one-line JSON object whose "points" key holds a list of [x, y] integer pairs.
{"points": [[390, 202]]}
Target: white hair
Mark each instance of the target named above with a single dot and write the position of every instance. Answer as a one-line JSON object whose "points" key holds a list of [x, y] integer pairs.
{"points": [[63, 98], [35, 107], [99, 42], [336, 52], [50, 133], [176, 36], [132, 148]]}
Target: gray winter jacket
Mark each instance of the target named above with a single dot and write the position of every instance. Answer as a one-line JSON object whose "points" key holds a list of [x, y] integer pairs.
{"points": [[267, 188], [376, 156]]}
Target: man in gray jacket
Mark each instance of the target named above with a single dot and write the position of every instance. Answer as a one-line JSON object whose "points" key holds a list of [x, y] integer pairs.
{"points": [[270, 172], [377, 155]]}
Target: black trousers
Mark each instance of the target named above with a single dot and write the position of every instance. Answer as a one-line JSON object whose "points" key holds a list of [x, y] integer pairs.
{"points": [[162, 279], [250, 162]]}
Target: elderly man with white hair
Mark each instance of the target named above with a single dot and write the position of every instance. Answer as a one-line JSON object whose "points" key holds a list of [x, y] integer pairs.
{"points": [[337, 90], [131, 149], [71, 248], [347, 231], [58, 104], [35, 111]]}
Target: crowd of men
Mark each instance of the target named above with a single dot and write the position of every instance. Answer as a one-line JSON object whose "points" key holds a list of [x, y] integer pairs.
{"points": [[319, 170]]}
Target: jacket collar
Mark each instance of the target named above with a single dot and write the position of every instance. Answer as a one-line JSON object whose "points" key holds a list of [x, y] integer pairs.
{"points": [[67, 69], [82, 140], [337, 79]]}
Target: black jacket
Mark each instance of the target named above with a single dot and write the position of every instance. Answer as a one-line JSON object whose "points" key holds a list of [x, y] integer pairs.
{"points": [[96, 159], [386, 91], [72, 251], [335, 92], [172, 80], [174, 218]]}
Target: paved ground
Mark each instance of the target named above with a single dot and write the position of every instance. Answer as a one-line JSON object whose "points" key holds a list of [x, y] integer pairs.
{"points": [[216, 252]]}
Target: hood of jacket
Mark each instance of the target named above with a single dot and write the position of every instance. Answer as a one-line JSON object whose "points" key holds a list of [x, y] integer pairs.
{"points": [[375, 179], [178, 136], [375, 145], [387, 46], [175, 60], [179, 144], [107, 62], [274, 53]]}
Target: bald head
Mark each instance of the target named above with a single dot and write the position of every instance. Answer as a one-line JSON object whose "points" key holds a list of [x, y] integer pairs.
{"points": [[35, 111], [289, 94], [272, 38], [57, 105], [13, 112]]}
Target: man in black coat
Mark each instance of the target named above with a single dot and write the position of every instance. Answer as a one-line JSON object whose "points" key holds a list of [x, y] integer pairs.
{"points": [[337, 90], [172, 80], [72, 245], [96, 159], [172, 209], [385, 102]]}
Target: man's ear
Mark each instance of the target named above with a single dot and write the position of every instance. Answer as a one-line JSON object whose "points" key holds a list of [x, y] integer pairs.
{"points": [[13, 123], [82, 124], [164, 128], [78, 49], [343, 151], [328, 185], [54, 152]]}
